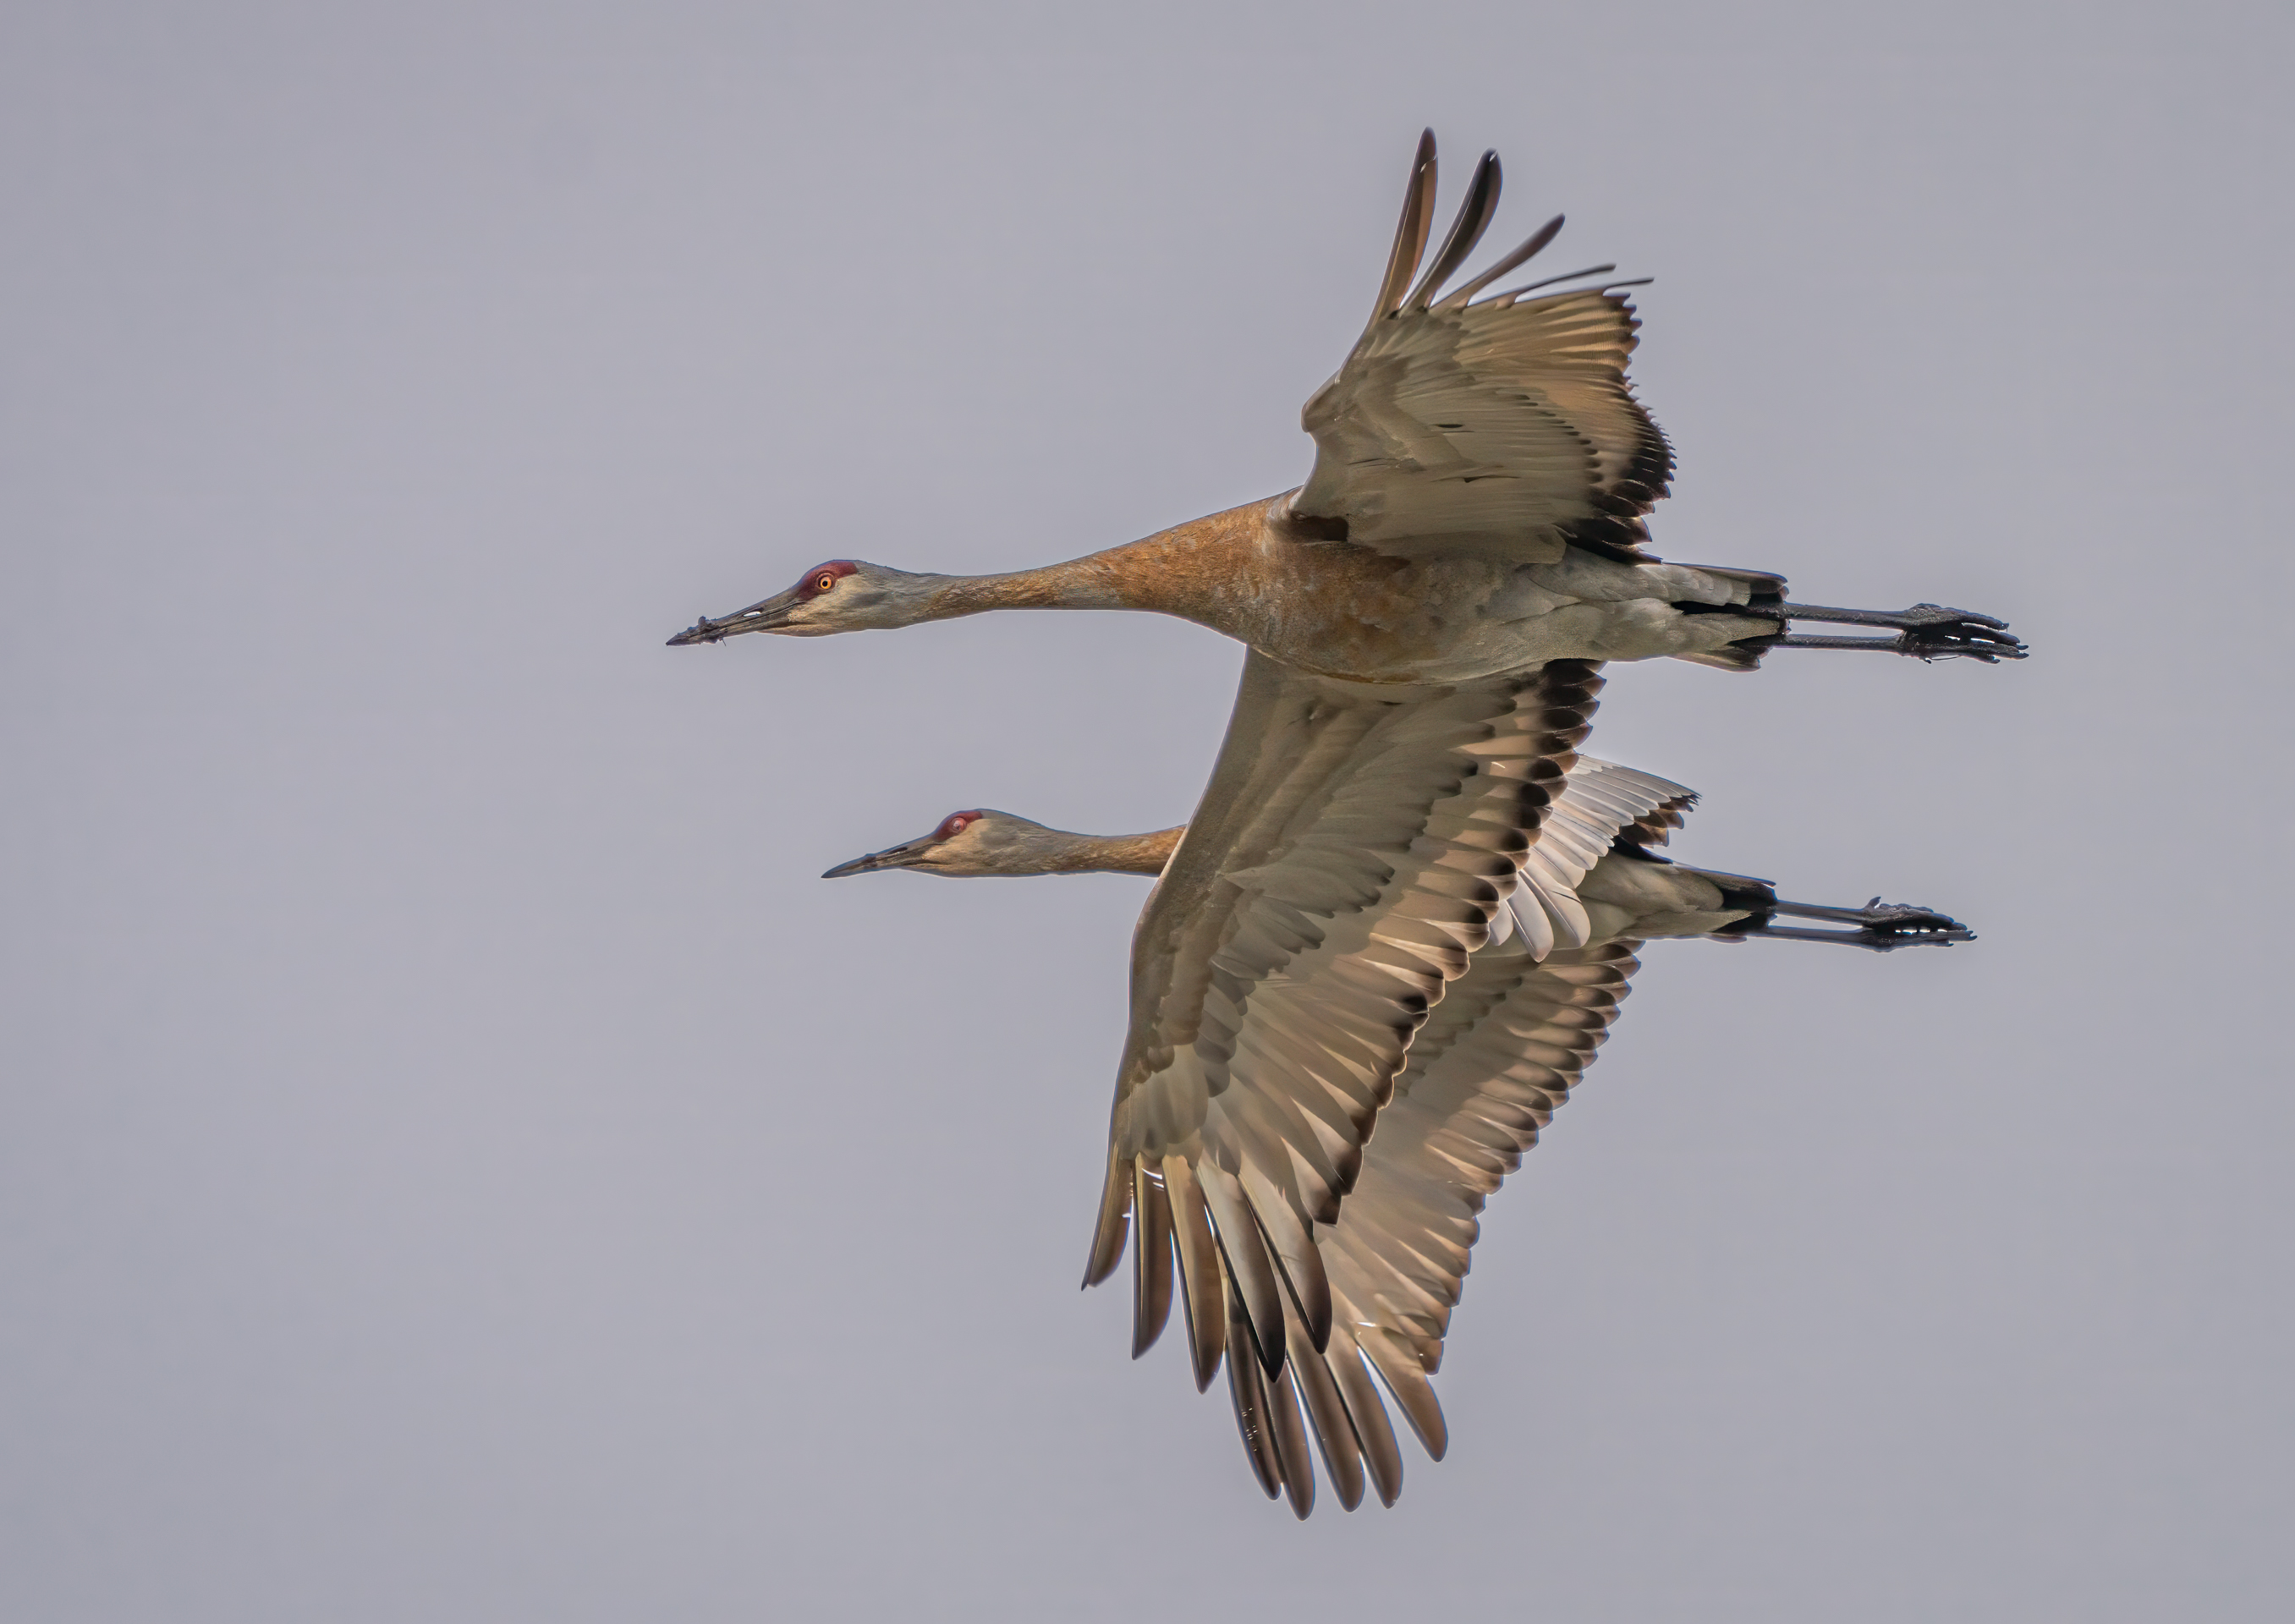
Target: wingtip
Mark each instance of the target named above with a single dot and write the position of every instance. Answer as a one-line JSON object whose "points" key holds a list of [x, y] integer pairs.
{"points": [[1411, 231], [1476, 212]]}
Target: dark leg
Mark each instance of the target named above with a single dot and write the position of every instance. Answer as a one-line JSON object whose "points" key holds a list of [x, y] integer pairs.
{"points": [[1926, 631], [1881, 926]]}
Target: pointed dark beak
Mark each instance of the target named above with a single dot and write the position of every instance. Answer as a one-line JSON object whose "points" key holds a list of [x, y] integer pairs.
{"points": [[768, 614], [890, 857]]}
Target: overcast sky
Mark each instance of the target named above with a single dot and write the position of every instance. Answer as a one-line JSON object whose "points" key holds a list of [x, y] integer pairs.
{"points": [[457, 1162]]}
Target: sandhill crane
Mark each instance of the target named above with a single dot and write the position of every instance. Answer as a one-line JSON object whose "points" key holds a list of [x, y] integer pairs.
{"points": [[1422, 619], [1476, 507], [1480, 1077]]}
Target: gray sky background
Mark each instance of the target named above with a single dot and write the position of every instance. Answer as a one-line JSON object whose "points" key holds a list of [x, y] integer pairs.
{"points": [[458, 1164]]}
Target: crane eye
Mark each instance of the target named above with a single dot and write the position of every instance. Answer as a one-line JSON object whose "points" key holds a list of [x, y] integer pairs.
{"points": [[823, 582]]}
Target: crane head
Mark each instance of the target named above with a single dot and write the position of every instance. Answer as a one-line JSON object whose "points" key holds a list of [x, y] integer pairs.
{"points": [[980, 841], [841, 595]]}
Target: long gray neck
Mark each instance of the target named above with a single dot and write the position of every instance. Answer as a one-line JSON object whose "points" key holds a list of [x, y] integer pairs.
{"points": [[1091, 583], [1058, 852], [1196, 571]]}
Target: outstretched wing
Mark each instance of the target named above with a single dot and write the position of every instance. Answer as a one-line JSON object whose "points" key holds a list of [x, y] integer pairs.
{"points": [[1354, 845], [1484, 1073], [1503, 427], [1489, 1070]]}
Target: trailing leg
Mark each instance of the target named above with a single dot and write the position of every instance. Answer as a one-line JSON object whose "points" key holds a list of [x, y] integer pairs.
{"points": [[1926, 631], [1880, 927]]}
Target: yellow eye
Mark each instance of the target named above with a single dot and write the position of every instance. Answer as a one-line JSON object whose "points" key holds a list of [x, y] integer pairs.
{"points": [[823, 582]]}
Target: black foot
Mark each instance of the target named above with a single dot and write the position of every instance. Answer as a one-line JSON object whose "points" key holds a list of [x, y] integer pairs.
{"points": [[1936, 632], [1926, 631], [1882, 926]]}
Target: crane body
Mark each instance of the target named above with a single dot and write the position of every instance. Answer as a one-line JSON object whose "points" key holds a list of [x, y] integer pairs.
{"points": [[1387, 942], [1476, 508], [1330, 609]]}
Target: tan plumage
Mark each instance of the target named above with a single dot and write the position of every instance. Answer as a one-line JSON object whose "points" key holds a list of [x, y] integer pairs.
{"points": [[1338, 824], [1489, 1069], [1484, 1070], [1503, 428], [1423, 617], [1475, 508], [1353, 847]]}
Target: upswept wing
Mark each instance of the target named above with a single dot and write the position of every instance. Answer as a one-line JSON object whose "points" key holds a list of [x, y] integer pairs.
{"points": [[1355, 844], [1502, 426]]}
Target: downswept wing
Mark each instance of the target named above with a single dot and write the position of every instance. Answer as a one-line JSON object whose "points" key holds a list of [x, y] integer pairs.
{"points": [[1491, 1067], [1488, 1068], [1355, 843], [1485, 1071], [1503, 428]]}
